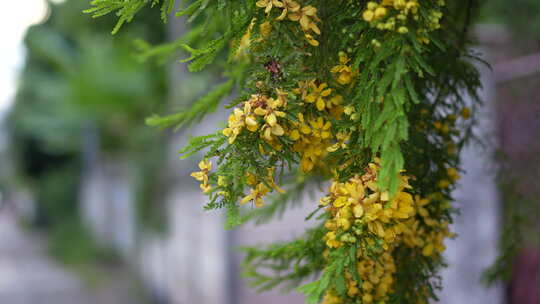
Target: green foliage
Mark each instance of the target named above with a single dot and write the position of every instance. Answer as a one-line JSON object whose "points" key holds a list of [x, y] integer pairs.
{"points": [[405, 101], [78, 81], [520, 16], [126, 10], [290, 262], [201, 107], [516, 216], [332, 277], [71, 244]]}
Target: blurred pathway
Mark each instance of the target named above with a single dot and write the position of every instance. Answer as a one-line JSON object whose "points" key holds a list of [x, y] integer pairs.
{"points": [[29, 276]]}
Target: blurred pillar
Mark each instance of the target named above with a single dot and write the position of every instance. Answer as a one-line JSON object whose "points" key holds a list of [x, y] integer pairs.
{"points": [[107, 197], [516, 67], [189, 263], [478, 224]]}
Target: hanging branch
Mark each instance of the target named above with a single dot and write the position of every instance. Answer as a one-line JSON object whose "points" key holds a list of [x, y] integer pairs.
{"points": [[366, 96]]}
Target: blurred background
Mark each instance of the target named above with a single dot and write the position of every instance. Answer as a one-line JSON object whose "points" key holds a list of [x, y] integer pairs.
{"points": [[96, 207]]}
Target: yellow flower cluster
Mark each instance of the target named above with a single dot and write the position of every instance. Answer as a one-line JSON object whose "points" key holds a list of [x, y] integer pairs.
{"points": [[360, 213], [311, 132], [312, 139], [431, 241], [359, 201], [319, 95], [466, 113], [202, 176], [343, 72], [306, 16], [447, 129], [377, 281], [260, 188], [259, 114], [393, 15]]}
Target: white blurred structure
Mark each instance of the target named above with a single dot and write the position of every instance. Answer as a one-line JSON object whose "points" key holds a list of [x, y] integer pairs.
{"points": [[107, 202], [478, 223]]}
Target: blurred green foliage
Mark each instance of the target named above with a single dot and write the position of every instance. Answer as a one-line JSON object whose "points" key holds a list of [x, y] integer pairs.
{"points": [[520, 16], [75, 77], [518, 165], [77, 81]]}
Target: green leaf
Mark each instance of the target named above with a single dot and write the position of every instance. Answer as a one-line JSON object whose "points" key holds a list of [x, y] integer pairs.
{"points": [[199, 109], [410, 89], [190, 10], [233, 217]]}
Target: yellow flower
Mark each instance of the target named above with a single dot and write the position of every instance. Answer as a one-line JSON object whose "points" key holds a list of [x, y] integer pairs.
{"points": [[305, 16], [303, 88], [352, 291], [380, 12], [343, 223], [341, 138], [271, 182], [372, 5], [400, 4], [428, 250], [294, 135], [334, 101], [311, 40], [268, 4], [269, 131], [443, 184], [205, 188], [268, 109], [403, 30], [304, 127], [367, 298], [311, 155], [368, 15], [453, 174], [349, 110], [247, 117], [245, 41], [312, 138], [205, 166], [345, 72], [256, 195], [412, 5], [251, 179], [320, 128], [374, 12], [331, 241], [317, 95], [404, 203], [251, 123], [222, 181], [289, 6], [466, 113], [331, 299], [265, 28], [282, 97]]}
